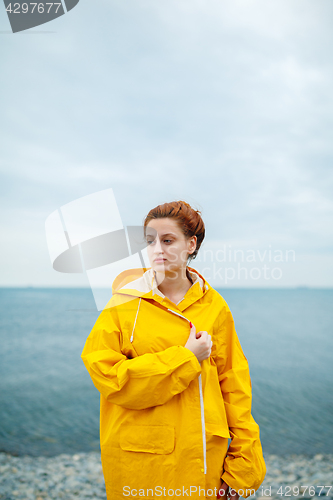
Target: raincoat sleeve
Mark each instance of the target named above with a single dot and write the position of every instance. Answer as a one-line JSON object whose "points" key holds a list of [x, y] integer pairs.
{"points": [[140, 382], [244, 465]]}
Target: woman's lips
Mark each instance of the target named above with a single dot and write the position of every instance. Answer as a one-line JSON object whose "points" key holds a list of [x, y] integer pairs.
{"points": [[159, 261]]}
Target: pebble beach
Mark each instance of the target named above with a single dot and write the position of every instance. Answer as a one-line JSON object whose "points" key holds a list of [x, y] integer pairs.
{"points": [[80, 476]]}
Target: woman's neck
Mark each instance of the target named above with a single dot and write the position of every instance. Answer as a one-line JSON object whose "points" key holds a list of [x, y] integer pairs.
{"points": [[174, 284]]}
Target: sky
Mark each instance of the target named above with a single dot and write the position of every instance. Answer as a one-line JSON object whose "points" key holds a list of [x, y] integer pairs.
{"points": [[225, 104]]}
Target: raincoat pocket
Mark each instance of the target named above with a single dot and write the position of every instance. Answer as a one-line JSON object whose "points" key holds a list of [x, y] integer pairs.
{"points": [[158, 439]]}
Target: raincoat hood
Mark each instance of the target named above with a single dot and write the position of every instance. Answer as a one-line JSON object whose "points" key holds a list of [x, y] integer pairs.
{"points": [[141, 282]]}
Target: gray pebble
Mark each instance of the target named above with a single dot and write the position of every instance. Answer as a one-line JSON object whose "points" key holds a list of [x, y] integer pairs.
{"points": [[80, 476]]}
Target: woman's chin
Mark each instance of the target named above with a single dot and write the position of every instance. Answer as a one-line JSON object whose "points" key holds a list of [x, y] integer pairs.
{"points": [[158, 266]]}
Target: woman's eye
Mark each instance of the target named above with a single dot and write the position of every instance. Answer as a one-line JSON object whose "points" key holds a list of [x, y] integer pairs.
{"points": [[149, 242], [168, 241]]}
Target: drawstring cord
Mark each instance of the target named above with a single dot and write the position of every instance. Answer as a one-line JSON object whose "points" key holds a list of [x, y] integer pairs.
{"points": [[137, 312]]}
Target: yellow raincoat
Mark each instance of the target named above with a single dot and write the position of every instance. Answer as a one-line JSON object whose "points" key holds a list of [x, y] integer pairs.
{"points": [[165, 418]]}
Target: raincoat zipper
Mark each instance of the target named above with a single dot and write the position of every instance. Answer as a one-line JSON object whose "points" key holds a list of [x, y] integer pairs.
{"points": [[202, 410], [201, 406]]}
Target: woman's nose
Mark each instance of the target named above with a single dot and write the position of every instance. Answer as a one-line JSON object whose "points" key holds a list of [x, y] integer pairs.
{"points": [[158, 246]]}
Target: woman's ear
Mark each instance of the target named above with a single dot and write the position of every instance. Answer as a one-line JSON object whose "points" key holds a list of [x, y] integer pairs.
{"points": [[193, 244]]}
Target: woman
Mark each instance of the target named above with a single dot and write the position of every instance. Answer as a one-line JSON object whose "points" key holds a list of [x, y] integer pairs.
{"points": [[173, 378]]}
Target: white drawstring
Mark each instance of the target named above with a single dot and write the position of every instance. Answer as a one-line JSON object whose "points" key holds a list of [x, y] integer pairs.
{"points": [[178, 314], [203, 423], [135, 320]]}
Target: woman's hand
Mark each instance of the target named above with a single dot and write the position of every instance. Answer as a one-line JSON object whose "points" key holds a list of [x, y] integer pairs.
{"points": [[224, 492], [199, 343]]}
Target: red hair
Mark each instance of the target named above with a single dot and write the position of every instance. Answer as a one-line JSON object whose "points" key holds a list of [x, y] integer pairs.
{"points": [[188, 219]]}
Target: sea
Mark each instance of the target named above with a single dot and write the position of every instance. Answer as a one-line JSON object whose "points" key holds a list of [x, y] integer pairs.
{"points": [[49, 405]]}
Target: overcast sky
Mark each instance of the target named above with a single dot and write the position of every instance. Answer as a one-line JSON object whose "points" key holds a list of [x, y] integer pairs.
{"points": [[226, 104]]}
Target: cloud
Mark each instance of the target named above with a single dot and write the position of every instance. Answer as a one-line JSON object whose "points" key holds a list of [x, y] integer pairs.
{"points": [[225, 104]]}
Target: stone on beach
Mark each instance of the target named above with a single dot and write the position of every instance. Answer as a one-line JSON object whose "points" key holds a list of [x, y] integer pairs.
{"points": [[66, 477]]}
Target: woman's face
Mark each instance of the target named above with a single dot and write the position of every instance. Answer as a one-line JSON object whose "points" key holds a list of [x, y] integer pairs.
{"points": [[168, 249]]}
